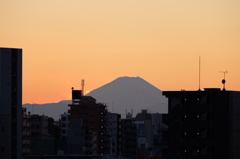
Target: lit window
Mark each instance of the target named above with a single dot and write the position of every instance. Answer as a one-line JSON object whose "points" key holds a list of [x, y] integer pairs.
{"points": [[198, 150], [198, 133], [185, 150], [185, 133]]}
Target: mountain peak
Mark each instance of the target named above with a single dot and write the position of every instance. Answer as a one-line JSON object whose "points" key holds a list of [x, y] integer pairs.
{"points": [[126, 93]]}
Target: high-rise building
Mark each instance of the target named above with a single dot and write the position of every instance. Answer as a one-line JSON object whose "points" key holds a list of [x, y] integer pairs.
{"points": [[26, 139], [203, 124], [145, 133], [90, 118], [114, 132], [10, 103], [158, 129], [128, 137]]}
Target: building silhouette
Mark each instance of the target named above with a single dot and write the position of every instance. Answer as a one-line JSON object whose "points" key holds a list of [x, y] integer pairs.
{"points": [[144, 133], [202, 124], [10, 103], [158, 129], [45, 136], [26, 128], [88, 126], [114, 133], [39, 127], [64, 125], [129, 136]]}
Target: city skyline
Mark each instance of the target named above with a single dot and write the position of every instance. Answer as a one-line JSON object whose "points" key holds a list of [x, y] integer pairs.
{"points": [[159, 41]]}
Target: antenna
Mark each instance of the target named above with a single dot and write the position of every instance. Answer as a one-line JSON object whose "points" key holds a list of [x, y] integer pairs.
{"points": [[199, 80], [82, 83], [224, 80]]}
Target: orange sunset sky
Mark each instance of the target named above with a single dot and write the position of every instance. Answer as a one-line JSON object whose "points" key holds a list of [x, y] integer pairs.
{"points": [[64, 41]]}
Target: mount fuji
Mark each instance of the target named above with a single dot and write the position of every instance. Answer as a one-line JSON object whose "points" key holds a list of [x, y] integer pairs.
{"points": [[130, 94]]}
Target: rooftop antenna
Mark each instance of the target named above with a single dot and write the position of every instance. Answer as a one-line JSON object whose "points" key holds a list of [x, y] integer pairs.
{"points": [[199, 80], [224, 80], [82, 83]]}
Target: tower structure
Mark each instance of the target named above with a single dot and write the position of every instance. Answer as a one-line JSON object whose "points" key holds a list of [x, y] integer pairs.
{"points": [[10, 103]]}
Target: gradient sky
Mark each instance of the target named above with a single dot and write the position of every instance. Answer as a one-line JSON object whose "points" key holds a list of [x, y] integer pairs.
{"points": [[64, 41]]}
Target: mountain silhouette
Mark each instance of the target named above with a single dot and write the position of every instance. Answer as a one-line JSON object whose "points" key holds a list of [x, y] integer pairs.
{"points": [[130, 93], [121, 95]]}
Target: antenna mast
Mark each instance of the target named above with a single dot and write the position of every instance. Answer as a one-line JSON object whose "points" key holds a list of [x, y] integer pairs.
{"points": [[224, 80], [199, 80], [82, 83]]}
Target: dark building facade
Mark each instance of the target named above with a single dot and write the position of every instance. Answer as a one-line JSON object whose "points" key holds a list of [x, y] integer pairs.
{"points": [[39, 127], [202, 124], [88, 125], [129, 138], [114, 132], [10, 103], [45, 136], [26, 138]]}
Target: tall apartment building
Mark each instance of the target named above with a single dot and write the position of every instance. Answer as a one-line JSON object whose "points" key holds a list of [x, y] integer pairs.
{"points": [[203, 124], [10, 103], [158, 129], [129, 137], [26, 138], [145, 139], [91, 117], [114, 132], [157, 122]]}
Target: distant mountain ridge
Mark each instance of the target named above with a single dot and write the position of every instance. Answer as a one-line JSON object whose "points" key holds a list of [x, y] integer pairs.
{"points": [[123, 93], [53, 110]]}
